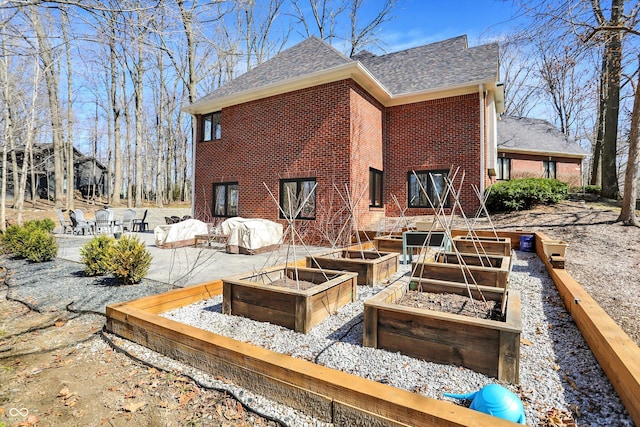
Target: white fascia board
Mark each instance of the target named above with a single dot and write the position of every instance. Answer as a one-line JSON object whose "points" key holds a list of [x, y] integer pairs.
{"points": [[353, 70]]}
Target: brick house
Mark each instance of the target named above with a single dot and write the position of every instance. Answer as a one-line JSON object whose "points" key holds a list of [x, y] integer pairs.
{"points": [[534, 148], [310, 116]]}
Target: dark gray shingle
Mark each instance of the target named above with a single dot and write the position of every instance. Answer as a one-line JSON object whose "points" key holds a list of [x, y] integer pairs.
{"points": [[307, 57], [526, 134], [433, 66]]}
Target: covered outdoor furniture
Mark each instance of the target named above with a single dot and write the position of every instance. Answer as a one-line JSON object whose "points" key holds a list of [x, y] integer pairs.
{"points": [[251, 236], [67, 225], [140, 224], [180, 234], [79, 223]]}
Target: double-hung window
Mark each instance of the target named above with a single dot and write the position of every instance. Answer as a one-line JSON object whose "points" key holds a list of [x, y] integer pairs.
{"points": [[549, 169], [431, 184], [504, 169], [298, 195], [225, 199], [211, 126], [375, 188]]}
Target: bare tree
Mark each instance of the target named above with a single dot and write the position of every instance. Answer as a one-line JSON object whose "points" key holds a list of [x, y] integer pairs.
{"points": [[363, 35], [517, 70], [69, 141], [49, 68], [628, 212], [323, 19]]}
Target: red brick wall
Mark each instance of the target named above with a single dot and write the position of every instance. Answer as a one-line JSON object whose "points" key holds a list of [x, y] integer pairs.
{"points": [[530, 166], [432, 135], [366, 151], [300, 134]]}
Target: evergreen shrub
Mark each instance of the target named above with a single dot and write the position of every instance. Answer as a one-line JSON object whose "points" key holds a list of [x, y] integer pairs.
{"points": [[525, 193], [130, 260], [96, 255]]}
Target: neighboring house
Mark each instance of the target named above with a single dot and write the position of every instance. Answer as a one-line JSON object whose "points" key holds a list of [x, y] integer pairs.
{"points": [[310, 116], [535, 148], [89, 174]]}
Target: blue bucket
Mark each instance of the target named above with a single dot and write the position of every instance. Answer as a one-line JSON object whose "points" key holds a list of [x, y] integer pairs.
{"points": [[526, 243]]}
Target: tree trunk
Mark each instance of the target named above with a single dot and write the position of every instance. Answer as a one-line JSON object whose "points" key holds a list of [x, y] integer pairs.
{"points": [[628, 213], [613, 54], [117, 113], [137, 90], [70, 158], [51, 78], [4, 68]]}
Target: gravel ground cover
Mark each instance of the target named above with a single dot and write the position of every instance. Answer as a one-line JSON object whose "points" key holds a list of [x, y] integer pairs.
{"points": [[558, 372], [561, 381]]}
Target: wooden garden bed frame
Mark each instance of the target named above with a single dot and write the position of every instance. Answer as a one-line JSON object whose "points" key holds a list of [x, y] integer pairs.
{"points": [[251, 295], [490, 347], [346, 399], [372, 267], [445, 266], [483, 245]]}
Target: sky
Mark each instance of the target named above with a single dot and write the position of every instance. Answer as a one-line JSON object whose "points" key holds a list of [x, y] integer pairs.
{"points": [[419, 22]]}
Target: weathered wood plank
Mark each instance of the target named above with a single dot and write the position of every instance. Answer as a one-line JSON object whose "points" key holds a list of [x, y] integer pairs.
{"points": [[279, 375], [616, 352]]}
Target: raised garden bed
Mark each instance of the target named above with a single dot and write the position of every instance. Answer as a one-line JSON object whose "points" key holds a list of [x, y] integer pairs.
{"points": [[273, 295], [492, 270], [372, 267], [391, 243], [491, 347], [483, 245]]}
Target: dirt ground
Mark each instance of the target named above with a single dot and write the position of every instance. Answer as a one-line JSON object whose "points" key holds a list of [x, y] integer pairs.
{"points": [[57, 369]]}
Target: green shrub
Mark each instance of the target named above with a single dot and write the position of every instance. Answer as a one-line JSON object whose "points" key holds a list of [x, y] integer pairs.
{"points": [[130, 260], [12, 240], [521, 194], [32, 241], [96, 255], [588, 189], [40, 245]]}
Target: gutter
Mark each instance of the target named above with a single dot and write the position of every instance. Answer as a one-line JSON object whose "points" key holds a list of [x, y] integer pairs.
{"points": [[354, 70], [482, 163]]}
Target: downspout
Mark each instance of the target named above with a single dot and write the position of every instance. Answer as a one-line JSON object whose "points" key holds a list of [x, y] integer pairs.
{"points": [[194, 136], [482, 164]]}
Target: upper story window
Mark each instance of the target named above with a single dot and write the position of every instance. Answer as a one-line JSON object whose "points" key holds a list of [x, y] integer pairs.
{"points": [[435, 185], [375, 188], [549, 169], [298, 195], [211, 126], [504, 169], [225, 199]]}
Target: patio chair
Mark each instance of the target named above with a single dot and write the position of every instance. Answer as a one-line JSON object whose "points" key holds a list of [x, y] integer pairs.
{"points": [[127, 220], [79, 223], [67, 225], [103, 223], [140, 224]]}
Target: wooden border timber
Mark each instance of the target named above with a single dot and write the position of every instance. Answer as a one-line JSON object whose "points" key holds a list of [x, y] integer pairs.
{"points": [[352, 400], [325, 393], [617, 354]]}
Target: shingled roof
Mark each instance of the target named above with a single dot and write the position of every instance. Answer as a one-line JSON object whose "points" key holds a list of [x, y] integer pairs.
{"points": [[442, 65], [523, 134], [436, 65]]}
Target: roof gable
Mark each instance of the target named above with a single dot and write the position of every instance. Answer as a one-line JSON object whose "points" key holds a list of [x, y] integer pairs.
{"points": [[523, 134], [441, 69], [307, 57]]}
